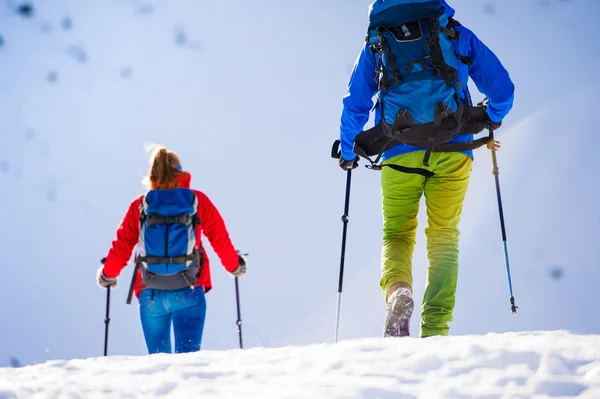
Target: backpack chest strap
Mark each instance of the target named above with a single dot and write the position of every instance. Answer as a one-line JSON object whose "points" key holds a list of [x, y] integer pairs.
{"points": [[157, 219]]}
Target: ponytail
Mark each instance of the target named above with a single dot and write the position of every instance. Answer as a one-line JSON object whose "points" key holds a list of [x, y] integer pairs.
{"points": [[165, 171]]}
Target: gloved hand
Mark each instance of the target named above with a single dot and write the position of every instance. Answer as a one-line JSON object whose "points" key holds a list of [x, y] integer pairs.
{"points": [[348, 165], [241, 269], [103, 280], [493, 145]]}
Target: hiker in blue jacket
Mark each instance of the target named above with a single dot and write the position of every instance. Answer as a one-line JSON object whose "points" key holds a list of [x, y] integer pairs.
{"points": [[417, 170]]}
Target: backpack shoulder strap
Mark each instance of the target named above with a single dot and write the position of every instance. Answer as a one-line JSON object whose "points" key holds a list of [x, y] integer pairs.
{"points": [[196, 215], [143, 214], [452, 23], [449, 30]]}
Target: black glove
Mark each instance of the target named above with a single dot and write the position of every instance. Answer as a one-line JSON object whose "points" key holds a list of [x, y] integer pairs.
{"points": [[348, 165], [493, 125], [241, 269]]}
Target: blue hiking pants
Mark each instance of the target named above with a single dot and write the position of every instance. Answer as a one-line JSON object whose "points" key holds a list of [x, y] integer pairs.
{"points": [[184, 309]]}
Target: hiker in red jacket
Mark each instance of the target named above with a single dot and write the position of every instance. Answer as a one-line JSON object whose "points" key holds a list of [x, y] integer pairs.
{"points": [[167, 224]]}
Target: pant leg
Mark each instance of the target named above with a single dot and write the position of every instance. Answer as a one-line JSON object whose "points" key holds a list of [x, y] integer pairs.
{"points": [[401, 195], [444, 196], [189, 312], [156, 321]]}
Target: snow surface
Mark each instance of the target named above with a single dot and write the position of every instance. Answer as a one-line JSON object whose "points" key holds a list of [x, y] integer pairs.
{"points": [[537, 365], [71, 147]]}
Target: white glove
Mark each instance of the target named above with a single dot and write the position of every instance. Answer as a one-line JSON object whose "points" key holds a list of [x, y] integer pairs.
{"points": [[241, 269], [104, 281]]}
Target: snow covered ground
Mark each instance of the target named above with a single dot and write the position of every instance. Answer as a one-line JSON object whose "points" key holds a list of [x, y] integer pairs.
{"points": [[84, 97], [537, 365]]}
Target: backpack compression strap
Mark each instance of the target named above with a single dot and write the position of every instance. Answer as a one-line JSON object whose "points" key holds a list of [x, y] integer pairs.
{"points": [[437, 57], [184, 219], [385, 49], [157, 219]]}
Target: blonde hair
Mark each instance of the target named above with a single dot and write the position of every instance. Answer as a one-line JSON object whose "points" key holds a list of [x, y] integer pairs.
{"points": [[165, 169]]}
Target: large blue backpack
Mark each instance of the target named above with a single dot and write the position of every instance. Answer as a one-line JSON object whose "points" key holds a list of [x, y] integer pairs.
{"points": [[168, 256], [417, 77]]}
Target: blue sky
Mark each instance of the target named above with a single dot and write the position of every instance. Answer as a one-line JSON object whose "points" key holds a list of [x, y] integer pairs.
{"points": [[251, 101]]}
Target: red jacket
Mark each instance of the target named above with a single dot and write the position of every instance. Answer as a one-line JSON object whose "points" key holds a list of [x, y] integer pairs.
{"points": [[211, 223]]}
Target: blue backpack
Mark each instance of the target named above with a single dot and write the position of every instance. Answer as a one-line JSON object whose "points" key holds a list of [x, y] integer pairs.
{"points": [[168, 255], [417, 77]]}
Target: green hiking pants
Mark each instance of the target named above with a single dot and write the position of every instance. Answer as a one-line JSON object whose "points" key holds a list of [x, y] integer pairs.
{"points": [[444, 195]]}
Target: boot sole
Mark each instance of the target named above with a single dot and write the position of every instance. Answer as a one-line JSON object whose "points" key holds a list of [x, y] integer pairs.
{"points": [[397, 322]]}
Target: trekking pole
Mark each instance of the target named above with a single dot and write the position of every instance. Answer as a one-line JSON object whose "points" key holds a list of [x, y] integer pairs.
{"points": [[496, 174], [107, 319], [133, 277], [239, 314], [336, 154]]}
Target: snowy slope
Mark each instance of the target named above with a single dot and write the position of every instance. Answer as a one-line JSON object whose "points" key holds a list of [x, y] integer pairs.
{"points": [[256, 135], [511, 365]]}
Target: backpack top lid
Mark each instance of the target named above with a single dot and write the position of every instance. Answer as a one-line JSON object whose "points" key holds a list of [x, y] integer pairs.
{"points": [[393, 13], [449, 10], [172, 202]]}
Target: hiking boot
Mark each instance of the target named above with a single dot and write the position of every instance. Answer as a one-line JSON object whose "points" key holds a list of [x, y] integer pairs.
{"points": [[398, 312]]}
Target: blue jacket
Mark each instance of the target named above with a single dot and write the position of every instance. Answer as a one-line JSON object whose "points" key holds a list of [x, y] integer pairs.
{"points": [[487, 72]]}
